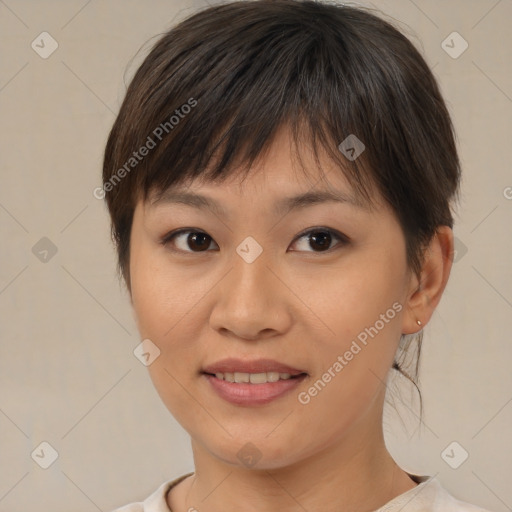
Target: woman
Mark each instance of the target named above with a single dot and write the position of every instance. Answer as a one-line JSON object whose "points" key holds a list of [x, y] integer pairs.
{"points": [[272, 302]]}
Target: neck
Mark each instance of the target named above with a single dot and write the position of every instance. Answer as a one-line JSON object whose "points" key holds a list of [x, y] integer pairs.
{"points": [[353, 473]]}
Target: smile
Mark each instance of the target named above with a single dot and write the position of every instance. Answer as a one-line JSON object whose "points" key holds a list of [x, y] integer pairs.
{"points": [[252, 389], [253, 378]]}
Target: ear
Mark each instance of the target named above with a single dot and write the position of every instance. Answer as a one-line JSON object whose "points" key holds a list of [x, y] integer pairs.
{"points": [[425, 293]]}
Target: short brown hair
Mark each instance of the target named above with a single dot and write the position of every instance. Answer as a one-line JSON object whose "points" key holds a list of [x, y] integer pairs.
{"points": [[245, 68]]}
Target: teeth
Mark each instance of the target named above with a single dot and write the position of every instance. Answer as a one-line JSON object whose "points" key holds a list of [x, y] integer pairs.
{"points": [[241, 377], [272, 376], [258, 378], [253, 378]]}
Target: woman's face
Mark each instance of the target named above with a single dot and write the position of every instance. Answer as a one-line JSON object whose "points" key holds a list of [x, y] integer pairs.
{"points": [[321, 288]]}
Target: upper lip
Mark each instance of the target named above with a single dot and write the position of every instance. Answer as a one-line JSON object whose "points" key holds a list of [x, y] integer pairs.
{"points": [[232, 365]]}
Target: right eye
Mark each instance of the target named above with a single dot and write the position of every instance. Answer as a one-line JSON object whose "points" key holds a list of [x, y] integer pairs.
{"points": [[186, 239]]}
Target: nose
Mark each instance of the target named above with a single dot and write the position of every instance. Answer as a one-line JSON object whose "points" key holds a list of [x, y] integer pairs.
{"points": [[251, 302]]}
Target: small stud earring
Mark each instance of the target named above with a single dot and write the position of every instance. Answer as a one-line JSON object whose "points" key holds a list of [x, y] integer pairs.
{"points": [[418, 322]]}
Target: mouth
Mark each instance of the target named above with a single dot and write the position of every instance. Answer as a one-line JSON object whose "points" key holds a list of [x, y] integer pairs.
{"points": [[242, 368], [250, 383], [254, 378]]}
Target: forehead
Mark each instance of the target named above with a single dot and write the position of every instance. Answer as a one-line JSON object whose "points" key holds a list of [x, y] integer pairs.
{"points": [[277, 192], [281, 176]]}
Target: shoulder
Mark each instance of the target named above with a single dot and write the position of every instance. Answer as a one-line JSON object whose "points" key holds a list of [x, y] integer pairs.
{"points": [[428, 496], [132, 507], [155, 502], [449, 503], [446, 502]]}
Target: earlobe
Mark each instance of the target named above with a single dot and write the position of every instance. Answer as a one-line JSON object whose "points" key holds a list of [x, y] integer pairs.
{"points": [[425, 293]]}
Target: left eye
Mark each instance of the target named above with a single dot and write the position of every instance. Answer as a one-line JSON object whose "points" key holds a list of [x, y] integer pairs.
{"points": [[321, 238]]}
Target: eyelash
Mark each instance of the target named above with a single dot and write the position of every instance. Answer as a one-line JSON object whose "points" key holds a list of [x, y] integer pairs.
{"points": [[343, 239]]}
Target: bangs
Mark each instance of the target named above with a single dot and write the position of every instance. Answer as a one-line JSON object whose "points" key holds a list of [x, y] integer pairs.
{"points": [[210, 97], [234, 153], [248, 82]]}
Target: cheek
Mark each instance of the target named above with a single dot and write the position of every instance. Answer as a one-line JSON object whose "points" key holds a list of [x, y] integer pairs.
{"points": [[165, 302], [366, 289], [361, 308], [360, 305], [162, 294]]}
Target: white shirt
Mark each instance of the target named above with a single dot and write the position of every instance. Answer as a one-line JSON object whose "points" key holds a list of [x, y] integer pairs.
{"points": [[427, 496]]}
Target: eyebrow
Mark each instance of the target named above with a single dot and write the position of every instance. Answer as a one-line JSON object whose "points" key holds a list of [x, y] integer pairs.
{"points": [[281, 207]]}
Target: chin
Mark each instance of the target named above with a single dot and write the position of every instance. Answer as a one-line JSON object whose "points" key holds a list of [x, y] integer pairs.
{"points": [[256, 454]]}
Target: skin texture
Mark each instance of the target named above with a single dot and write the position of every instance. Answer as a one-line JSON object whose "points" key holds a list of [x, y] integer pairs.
{"points": [[296, 304]]}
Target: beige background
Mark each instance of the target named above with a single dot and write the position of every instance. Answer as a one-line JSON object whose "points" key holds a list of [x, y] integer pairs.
{"points": [[68, 375]]}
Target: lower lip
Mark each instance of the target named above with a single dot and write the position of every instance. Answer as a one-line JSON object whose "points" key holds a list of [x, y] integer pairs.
{"points": [[252, 394]]}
